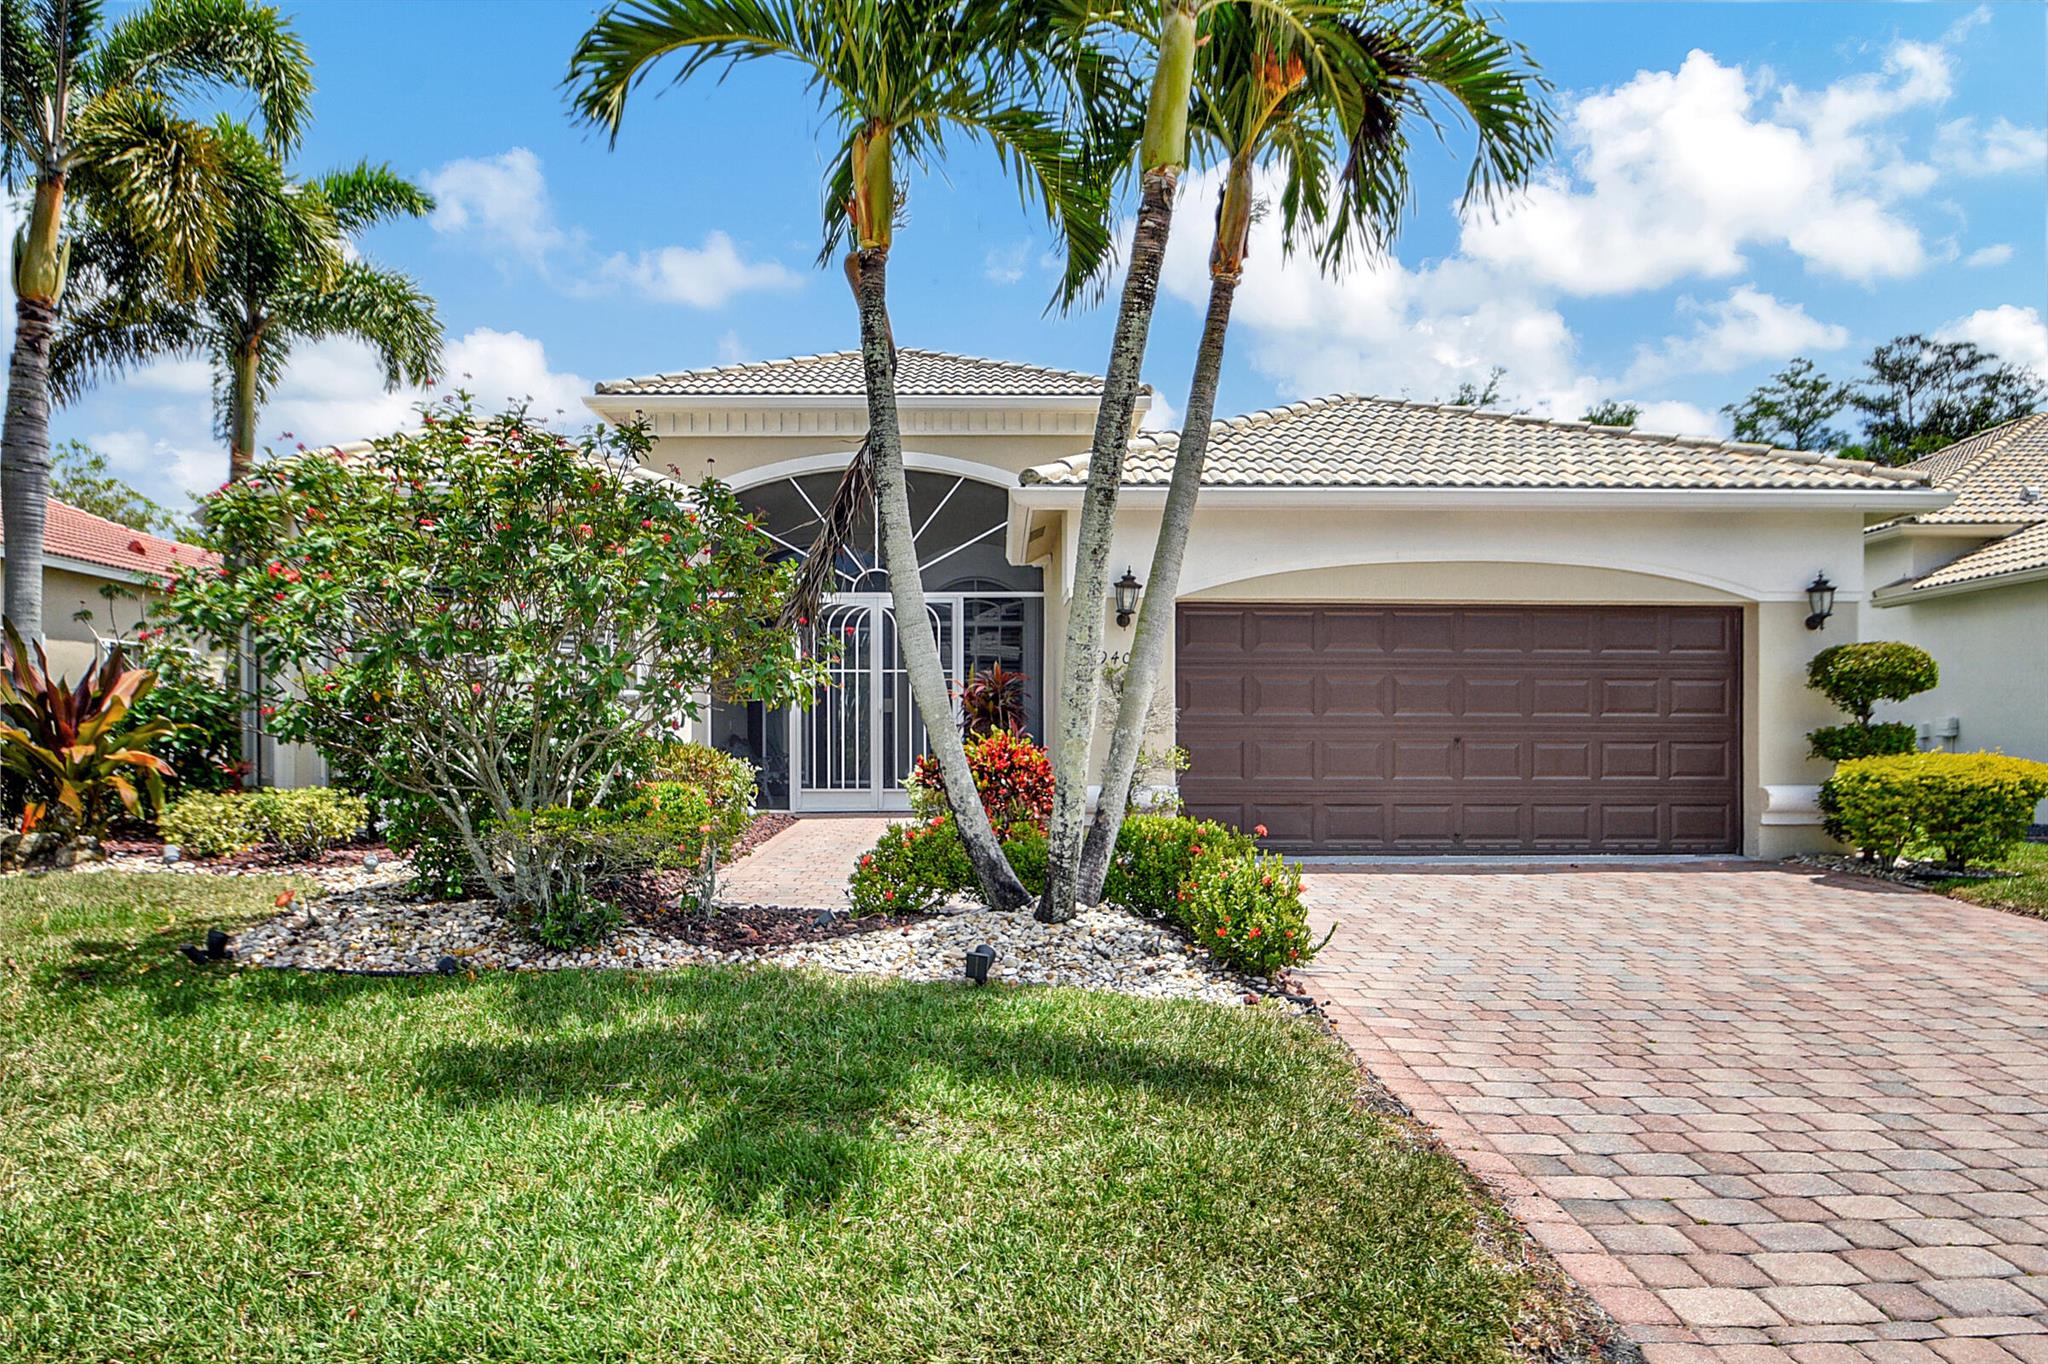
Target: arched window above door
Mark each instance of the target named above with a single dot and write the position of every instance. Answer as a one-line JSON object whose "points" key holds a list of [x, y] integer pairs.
{"points": [[958, 523]]}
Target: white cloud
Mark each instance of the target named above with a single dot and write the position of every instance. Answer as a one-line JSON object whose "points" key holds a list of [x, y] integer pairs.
{"points": [[1005, 264], [701, 276], [1679, 173], [2007, 331], [2004, 147], [503, 200], [1998, 253], [503, 203], [731, 350], [1162, 415], [332, 392], [1747, 326], [1680, 419]]}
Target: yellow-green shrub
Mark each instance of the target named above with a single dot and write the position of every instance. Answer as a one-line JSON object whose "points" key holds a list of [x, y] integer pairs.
{"points": [[1969, 807], [1247, 912], [299, 823]]}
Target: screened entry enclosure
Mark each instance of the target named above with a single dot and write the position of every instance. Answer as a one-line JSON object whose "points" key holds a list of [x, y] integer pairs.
{"points": [[853, 747]]}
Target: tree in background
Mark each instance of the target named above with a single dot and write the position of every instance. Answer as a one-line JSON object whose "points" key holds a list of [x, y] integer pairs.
{"points": [[1792, 409], [1613, 412], [90, 118], [895, 80], [290, 272], [1471, 394], [1919, 395], [1328, 102], [81, 476]]}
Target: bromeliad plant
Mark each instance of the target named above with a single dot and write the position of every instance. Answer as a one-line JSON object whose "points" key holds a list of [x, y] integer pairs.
{"points": [[67, 745], [489, 618]]}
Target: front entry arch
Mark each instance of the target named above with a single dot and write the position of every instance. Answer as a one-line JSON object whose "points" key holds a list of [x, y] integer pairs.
{"points": [[853, 746]]}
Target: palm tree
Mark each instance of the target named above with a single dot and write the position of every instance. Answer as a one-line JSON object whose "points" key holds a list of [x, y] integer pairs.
{"points": [[1261, 102], [91, 112], [897, 78], [285, 275], [1172, 27]]}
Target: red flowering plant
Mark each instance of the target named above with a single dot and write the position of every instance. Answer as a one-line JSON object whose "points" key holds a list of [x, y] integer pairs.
{"points": [[1247, 912], [913, 868], [1013, 775], [488, 620]]}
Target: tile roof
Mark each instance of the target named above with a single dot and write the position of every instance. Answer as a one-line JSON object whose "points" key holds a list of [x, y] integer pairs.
{"points": [[1990, 474], [1350, 441], [2000, 478], [2024, 551], [919, 373], [72, 533]]}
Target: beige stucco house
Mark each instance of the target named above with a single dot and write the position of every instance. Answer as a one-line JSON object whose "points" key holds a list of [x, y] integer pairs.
{"points": [[98, 577], [1402, 628], [1968, 582]]}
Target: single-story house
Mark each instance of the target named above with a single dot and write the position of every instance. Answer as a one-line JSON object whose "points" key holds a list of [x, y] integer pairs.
{"points": [[1403, 627], [1968, 582], [98, 577]]}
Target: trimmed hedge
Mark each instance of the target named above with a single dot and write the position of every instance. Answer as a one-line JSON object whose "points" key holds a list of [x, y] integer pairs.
{"points": [[727, 781], [300, 823], [1857, 676], [1970, 808], [1843, 743]]}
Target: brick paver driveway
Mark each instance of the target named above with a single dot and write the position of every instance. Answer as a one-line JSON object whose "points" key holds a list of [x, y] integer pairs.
{"points": [[1760, 1114]]}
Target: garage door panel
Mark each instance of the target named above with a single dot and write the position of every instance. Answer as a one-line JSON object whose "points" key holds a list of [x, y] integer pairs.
{"points": [[1431, 729]]}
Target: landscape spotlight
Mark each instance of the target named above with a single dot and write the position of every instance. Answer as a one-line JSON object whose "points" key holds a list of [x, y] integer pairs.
{"points": [[979, 959]]}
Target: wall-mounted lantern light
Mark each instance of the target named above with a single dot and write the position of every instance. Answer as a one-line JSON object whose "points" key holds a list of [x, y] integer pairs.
{"points": [[1127, 597], [1820, 601]]}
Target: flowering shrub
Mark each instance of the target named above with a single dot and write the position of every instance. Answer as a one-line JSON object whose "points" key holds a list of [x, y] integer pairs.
{"points": [[1013, 775], [727, 781], [913, 868], [1155, 854], [487, 619], [1246, 911]]}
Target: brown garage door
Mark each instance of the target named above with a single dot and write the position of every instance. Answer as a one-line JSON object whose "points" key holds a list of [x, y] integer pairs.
{"points": [[1474, 728]]}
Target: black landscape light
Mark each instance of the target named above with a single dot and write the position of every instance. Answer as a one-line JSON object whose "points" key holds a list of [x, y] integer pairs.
{"points": [[1820, 601], [979, 959], [216, 944], [446, 966], [1127, 597]]}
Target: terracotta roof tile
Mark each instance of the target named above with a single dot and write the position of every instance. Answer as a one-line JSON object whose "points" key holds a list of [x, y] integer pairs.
{"points": [[1351, 441], [72, 533], [919, 373]]}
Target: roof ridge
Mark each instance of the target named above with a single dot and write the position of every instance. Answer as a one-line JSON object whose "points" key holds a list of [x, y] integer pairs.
{"points": [[608, 386]]}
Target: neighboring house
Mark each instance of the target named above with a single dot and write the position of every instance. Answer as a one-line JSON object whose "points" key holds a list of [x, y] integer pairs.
{"points": [[1402, 627], [1968, 582], [98, 577]]}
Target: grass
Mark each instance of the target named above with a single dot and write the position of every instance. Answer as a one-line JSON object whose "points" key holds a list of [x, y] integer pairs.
{"points": [[729, 1164], [2025, 892]]}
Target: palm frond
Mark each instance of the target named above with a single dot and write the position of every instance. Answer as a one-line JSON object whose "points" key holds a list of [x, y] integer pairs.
{"points": [[112, 321], [170, 46], [385, 309], [852, 503], [366, 194], [632, 37], [162, 179]]}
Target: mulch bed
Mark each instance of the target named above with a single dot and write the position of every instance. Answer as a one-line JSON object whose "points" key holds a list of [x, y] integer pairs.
{"points": [[652, 901]]}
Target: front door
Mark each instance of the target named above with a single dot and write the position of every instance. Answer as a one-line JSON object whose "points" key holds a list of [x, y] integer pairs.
{"points": [[858, 740]]}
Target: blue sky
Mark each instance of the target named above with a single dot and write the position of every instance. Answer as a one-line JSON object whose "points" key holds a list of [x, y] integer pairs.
{"points": [[1735, 184]]}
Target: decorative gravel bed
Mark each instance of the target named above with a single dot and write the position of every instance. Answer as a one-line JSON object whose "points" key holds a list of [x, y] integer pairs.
{"points": [[366, 921]]}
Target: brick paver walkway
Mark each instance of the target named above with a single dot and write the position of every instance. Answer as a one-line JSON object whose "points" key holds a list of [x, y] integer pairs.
{"points": [[1760, 1114], [806, 865]]}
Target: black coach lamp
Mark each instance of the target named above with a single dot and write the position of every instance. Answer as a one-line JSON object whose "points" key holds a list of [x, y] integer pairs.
{"points": [[1127, 597], [1820, 601]]}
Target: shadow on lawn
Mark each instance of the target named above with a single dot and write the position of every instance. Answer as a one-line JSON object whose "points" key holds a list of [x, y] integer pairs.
{"points": [[788, 1089], [800, 1087]]}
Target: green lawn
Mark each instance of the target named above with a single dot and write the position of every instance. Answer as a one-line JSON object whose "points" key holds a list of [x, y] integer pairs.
{"points": [[2027, 892], [718, 1164]]}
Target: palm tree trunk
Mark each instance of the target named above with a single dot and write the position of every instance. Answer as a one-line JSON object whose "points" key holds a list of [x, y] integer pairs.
{"points": [[1162, 155], [1156, 612], [242, 413], [1081, 668], [25, 443], [914, 637], [1162, 587]]}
